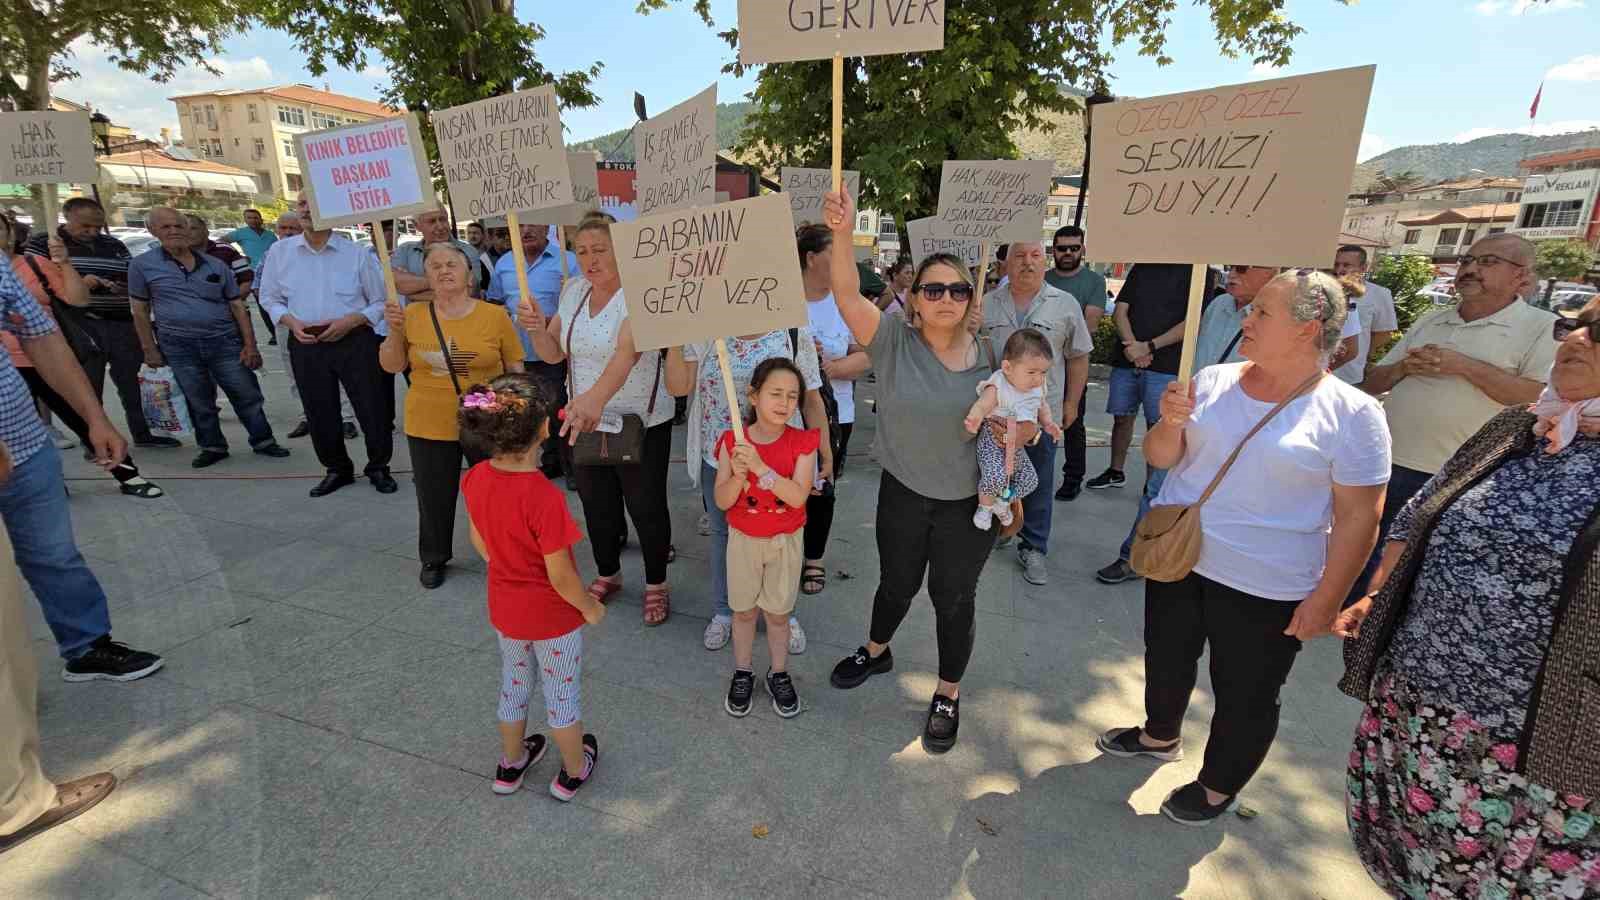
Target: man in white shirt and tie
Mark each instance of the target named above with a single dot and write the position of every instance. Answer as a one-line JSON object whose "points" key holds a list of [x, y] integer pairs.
{"points": [[329, 293]]}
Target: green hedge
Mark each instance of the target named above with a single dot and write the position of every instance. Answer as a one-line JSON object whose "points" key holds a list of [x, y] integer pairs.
{"points": [[1106, 341]]}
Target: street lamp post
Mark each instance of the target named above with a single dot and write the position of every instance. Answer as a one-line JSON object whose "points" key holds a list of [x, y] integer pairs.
{"points": [[1097, 98]]}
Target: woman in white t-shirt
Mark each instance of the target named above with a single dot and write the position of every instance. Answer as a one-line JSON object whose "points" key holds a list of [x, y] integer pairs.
{"points": [[1283, 536], [611, 379]]}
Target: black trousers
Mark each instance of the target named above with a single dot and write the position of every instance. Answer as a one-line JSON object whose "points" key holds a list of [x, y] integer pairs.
{"points": [[556, 455], [320, 370], [1075, 444], [117, 348], [1250, 660], [607, 492], [819, 509], [42, 391], [436, 468], [844, 446], [916, 537]]}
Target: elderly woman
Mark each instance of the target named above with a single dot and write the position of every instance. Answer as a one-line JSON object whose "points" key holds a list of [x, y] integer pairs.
{"points": [[928, 374], [1475, 770], [1271, 572], [449, 342], [610, 379]]}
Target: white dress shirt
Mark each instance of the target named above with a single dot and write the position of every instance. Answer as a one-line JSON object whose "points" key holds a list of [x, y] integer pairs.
{"points": [[322, 285]]}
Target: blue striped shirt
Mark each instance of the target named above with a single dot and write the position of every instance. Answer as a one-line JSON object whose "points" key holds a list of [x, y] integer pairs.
{"points": [[20, 314]]}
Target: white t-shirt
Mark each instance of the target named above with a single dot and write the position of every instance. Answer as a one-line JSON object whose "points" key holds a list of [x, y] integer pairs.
{"points": [[1377, 314], [1266, 526], [594, 341], [1012, 402], [829, 329]]}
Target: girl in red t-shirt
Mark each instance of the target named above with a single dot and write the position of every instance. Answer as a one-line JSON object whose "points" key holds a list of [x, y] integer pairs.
{"points": [[521, 528], [763, 486]]}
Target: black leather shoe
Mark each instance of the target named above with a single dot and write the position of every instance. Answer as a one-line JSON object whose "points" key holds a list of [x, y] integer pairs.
{"points": [[208, 458], [158, 440], [432, 575], [383, 481], [1069, 491], [272, 450], [301, 430], [350, 432], [332, 482]]}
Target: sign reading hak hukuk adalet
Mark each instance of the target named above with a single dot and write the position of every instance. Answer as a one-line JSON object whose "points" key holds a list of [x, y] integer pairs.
{"points": [[504, 154], [46, 148], [1000, 201], [771, 32], [366, 172]]}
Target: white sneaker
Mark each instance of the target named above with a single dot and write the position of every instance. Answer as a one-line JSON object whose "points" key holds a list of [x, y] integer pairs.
{"points": [[718, 630], [983, 518], [797, 637], [62, 440], [1002, 511]]}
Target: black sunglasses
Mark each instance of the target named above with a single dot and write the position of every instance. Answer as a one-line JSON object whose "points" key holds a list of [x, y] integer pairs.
{"points": [[1562, 327], [960, 291], [1069, 248]]}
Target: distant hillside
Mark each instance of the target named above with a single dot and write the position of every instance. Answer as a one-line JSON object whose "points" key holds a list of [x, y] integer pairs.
{"points": [[730, 121], [1497, 154]]}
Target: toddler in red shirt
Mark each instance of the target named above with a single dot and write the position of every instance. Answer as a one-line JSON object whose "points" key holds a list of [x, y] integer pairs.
{"points": [[521, 528], [762, 485]]}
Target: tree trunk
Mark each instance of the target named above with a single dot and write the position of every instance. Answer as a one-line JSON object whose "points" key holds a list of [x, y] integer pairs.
{"points": [[37, 98]]}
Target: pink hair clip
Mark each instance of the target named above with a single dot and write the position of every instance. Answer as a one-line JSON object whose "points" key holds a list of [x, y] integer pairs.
{"points": [[483, 400]]}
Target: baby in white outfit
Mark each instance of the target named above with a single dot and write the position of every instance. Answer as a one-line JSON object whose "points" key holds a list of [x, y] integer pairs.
{"points": [[1012, 395]]}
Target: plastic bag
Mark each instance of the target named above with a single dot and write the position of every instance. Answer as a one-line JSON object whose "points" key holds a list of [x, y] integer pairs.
{"points": [[163, 404]]}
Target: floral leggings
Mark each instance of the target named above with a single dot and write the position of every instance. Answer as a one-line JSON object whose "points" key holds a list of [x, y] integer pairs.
{"points": [[559, 662], [992, 468]]}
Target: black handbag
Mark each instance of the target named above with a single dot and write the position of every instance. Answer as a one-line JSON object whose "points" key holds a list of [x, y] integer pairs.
{"points": [[67, 317], [600, 448]]}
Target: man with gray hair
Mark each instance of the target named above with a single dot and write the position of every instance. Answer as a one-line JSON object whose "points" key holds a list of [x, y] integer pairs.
{"points": [[287, 226], [1026, 301]]}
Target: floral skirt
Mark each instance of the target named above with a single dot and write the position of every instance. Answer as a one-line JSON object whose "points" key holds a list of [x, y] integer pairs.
{"points": [[1438, 812]]}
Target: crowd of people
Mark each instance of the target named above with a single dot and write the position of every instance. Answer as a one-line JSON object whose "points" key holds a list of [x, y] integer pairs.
{"points": [[1447, 533]]}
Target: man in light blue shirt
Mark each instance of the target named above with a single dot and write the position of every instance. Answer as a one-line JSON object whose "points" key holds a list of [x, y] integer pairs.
{"points": [[254, 238], [544, 283], [1220, 326]]}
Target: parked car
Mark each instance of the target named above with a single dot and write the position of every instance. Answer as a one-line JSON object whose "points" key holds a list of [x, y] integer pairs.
{"points": [[1438, 297], [1570, 301], [138, 243]]}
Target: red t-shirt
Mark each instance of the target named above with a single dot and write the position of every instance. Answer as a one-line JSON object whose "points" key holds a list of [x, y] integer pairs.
{"points": [[758, 512], [522, 517]]}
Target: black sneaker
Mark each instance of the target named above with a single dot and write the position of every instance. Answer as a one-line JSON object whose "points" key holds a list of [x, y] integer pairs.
{"points": [[301, 430], [108, 660], [1069, 491], [740, 690], [564, 787], [785, 702], [350, 432], [859, 666], [939, 735], [1116, 573], [1187, 806], [1124, 742], [507, 779], [1110, 478]]}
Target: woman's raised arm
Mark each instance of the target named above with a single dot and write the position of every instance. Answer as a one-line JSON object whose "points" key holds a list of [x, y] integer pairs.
{"points": [[859, 313]]}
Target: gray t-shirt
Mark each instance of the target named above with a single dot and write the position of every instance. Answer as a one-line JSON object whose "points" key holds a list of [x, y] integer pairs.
{"points": [[922, 439]]}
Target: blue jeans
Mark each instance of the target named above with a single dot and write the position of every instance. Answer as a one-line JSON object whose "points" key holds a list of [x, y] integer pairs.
{"points": [[1039, 506], [202, 364], [719, 542], [33, 502], [1128, 391]]}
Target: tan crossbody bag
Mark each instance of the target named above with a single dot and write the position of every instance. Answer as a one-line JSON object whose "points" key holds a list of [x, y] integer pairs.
{"points": [[1166, 542]]}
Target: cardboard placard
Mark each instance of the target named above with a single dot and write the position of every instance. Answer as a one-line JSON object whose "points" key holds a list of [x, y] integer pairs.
{"points": [[924, 244], [362, 173], [771, 32], [676, 156], [805, 187], [47, 148], [584, 169], [726, 269], [994, 200], [504, 154], [1247, 173]]}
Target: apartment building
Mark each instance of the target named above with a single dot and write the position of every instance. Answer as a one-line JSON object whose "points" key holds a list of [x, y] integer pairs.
{"points": [[254, 129]]}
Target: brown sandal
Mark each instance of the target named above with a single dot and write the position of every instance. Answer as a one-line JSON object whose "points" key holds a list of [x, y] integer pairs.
{"points": [[657, 605], [601, 589]]}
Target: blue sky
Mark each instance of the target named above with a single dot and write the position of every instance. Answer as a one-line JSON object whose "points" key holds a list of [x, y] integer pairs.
{"points": [[1447, 69]]}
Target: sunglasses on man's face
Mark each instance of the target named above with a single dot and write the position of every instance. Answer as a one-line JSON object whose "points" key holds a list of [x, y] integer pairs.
{"points": [[955, 291], [1069, 248], [1562, 327]]}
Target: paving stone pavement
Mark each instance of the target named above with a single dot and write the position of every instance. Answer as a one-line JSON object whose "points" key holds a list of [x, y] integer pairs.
{"points": [[325, 728]]}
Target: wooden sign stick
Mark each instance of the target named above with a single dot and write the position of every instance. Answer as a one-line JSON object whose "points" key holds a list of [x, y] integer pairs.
{"points": [[51, 210], [983, 275], [735, 411], [383, 258], [561, 251], [838, 122], [1191, 320], [521, 262]]}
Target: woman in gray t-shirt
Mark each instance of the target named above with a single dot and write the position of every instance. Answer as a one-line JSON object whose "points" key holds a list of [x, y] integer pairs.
{"points": [[928, 375]]}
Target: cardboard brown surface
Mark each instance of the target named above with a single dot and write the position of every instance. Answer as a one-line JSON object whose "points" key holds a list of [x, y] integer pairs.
{"points": [[676, 156], [785, 32], [1248, 173], [357, 174], [726, 269], [994, 200], [504, 154], [47, 148], [924, 244], [805, 187], [585, 192]]}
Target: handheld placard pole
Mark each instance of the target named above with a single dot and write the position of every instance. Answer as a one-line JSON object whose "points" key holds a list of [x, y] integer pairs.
{"points": [[382, 246], [520, 260], [1191, 320], [838, 121], [735, 415], [983, 275], [51, 210], [561, 251]]}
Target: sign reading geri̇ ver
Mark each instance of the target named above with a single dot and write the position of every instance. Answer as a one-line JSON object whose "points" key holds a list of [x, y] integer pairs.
{"points": [[362, 173], [504, 154], [694, 275], [1252, 173], [46, 148], [772, 31]]}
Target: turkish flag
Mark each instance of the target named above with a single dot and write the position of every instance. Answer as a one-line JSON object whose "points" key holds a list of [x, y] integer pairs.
{"points": [[1534, 109]]}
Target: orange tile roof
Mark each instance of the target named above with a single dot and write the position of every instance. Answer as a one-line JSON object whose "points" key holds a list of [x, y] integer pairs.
{"points": [[1468, 184], [156, 159], [1556, 159], [304, 93], [1482, 212]]}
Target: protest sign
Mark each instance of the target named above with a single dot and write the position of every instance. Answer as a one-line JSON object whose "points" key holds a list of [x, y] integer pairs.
{"points": [[694, 275], [994, 201], [924, 244], [47, 148], [367, 172], [1248, 173], [585, 192], [504, 155], [676, 156], [821, 29], [805, 187]]}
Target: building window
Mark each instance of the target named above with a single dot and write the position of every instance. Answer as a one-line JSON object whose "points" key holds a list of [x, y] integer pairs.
{"points": [[211, 116], [1563, 214], [1513, 196], [1497, 230], [263, 182], [293, 182], [288, 149], [199, 114], [292, 115], [255, 116], [864, 223], [1469, 237], [1449, 237], [887, 228], [260, 149], [1413, 235], [323, 120]]}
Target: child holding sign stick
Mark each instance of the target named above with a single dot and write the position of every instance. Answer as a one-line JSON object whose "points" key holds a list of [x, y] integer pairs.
{"points": [[537, 604], [1013, 394], [763, 484]]}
